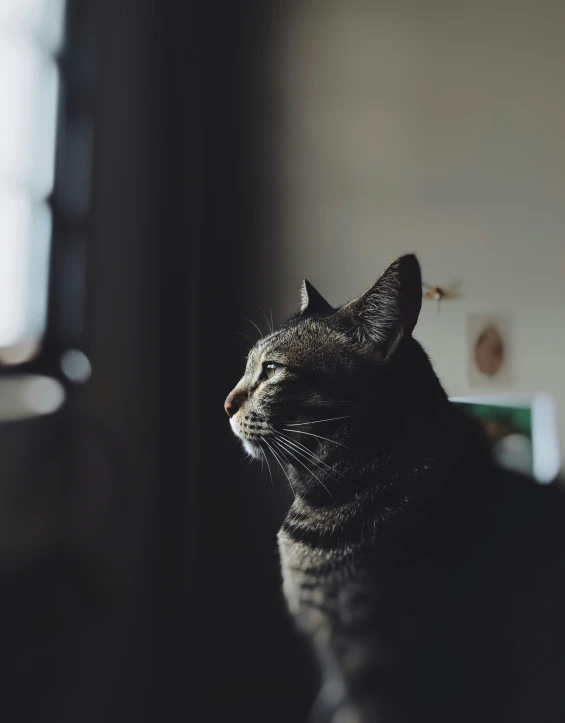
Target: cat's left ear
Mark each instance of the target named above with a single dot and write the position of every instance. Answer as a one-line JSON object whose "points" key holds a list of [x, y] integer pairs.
{"points": [[311, 301], [389, 310]]}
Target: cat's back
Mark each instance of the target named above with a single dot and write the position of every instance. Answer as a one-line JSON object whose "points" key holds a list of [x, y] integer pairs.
{"points": [[510, 603], [474, 603], [521, 526]]}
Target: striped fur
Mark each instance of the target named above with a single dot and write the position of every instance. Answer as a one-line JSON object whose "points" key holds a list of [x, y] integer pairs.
{"points": [[430, 583]]}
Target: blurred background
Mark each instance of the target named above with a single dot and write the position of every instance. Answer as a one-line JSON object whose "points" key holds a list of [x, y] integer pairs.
{"points": [[166, 169]]}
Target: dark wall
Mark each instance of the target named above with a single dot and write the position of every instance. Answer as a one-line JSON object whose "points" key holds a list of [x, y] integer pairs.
{"points": [[152, 572], [251, 661]]}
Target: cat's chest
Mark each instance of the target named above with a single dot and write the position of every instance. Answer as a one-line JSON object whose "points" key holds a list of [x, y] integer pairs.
{"points": [[356, 585], [297, 564], [315, 580]]}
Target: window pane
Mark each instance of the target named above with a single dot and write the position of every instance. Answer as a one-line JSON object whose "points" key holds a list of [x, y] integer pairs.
{"points": [[28, 102], [25, 232], [30, 33], [42, 19]]}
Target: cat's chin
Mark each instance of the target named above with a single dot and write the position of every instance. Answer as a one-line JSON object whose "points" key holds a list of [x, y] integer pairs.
{"points": [[253, 450]]}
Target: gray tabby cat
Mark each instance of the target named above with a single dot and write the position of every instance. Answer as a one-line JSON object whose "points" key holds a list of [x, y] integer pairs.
{"points": [[430, 582]]}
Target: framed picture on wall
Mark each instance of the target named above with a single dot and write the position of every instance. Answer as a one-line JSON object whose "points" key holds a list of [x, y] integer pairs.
{"points": [[489, 351]]}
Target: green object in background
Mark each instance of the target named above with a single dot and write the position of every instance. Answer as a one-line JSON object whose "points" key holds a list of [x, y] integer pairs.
{"points": [[509, 429], [520, 418], [521, 428]]}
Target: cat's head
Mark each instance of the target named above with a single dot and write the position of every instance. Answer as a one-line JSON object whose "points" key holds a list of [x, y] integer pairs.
{"points": [[325, 362]]}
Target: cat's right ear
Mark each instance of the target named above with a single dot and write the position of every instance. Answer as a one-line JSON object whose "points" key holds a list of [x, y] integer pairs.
{"points": [[389, 309], [311, 301]]}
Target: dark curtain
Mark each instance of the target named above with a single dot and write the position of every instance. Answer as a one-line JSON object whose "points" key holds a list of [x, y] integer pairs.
{"points": [[251, 664]]}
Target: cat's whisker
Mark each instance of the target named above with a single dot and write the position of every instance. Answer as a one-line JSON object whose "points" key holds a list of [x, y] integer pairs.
{"points": [[308, 456], [268, 464], [317, 421], [240, 333], [284, 457], [281, 465], [255, 325], [289, 452], [305, 467], [310, 434], [311, 454], [272, 325], [299, 444], [269, 325]]}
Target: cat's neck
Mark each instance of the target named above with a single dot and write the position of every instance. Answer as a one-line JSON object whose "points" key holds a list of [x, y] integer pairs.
{"points": [[401, 438], [440, 473]]}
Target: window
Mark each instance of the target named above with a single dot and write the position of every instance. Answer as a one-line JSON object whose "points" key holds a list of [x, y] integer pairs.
{"points": [[31, 33]]}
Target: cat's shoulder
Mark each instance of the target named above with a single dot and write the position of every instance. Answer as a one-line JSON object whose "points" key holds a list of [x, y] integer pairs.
{"points": [[518, 494], [526, 519]]}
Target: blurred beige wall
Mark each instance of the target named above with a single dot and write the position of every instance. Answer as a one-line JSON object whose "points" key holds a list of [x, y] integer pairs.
{"points": [[437, 128]]}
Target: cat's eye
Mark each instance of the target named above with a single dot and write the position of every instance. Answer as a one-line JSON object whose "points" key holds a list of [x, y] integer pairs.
{"points": [[272, 368]]}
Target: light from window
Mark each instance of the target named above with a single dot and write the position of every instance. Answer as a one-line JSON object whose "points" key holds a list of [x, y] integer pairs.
{"points": [[30, 36]]}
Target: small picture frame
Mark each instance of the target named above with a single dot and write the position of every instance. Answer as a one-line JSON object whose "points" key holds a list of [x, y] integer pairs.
{"points": [[489, 351]]}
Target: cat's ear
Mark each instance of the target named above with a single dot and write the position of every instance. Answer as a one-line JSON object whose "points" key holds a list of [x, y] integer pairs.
{"points": [[389, 310], [312, 302]]}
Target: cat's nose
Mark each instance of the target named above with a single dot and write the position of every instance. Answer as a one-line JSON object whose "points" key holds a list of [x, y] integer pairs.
{"points": [[230, 407], [233, 403]]}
